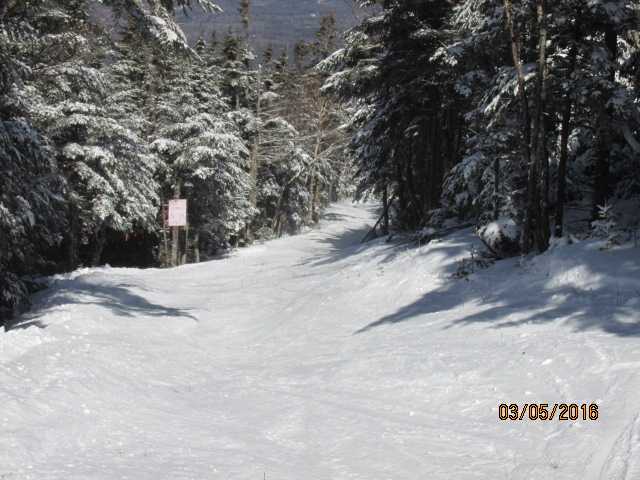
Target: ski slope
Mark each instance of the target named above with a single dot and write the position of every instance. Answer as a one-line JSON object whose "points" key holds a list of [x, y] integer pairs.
{"points": [[317, 358]]}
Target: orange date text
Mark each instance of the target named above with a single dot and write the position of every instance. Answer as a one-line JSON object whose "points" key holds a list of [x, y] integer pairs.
{"points": [[545, 411]]}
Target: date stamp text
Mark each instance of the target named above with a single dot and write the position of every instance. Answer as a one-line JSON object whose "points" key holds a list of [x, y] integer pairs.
{"points": [[545, 411]]}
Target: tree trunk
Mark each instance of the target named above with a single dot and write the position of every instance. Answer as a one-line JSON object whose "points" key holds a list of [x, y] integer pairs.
{"points": [[281, 197], [428, 147], [312, 180], [496, 187], [601, 178], [255, 155], [175, 238], [544, 229], [276, 216], [385, 212], [186, 244], [196, 247], [72, 249], [402, 198], [253, 193], [416, 214], [318, 196], [564, 135], [98, 247], [562, 165], [522, 93], [601, 174], [385, 207], [311, 186], [542, 225], [165, 238], [281, 223]]}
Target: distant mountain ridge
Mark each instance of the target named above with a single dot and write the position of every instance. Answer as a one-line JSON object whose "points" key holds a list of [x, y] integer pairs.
{"points": [[277, 22]]}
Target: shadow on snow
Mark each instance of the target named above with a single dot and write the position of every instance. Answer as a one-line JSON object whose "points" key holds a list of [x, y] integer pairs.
{"points": [[509, 306], [341, 244], [117, 298]]}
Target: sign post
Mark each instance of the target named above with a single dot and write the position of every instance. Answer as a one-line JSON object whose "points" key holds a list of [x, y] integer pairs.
{"points": [[178, 213], [177, 218]]}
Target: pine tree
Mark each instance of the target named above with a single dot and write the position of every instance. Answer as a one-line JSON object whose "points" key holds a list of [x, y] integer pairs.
{"points": [[301, 146], [108, 167], [520, 145], [73, 156], [327, 35], [153, 19], [399, 117], [31, 189], [204, 158]]}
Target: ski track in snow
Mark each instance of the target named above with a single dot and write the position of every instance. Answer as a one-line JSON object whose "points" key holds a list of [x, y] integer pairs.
{"points": [[314, 357]]}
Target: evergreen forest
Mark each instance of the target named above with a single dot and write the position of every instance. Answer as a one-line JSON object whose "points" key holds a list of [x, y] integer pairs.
{"points": [[107, 112], [518, 117]]}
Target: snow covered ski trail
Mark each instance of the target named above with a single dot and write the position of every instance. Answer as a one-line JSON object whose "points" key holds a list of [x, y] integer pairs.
{"points": [[317, 358]]}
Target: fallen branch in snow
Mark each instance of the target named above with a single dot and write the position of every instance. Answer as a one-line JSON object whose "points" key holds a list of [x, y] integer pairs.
{"points": [[495, 254], [371, 234]]}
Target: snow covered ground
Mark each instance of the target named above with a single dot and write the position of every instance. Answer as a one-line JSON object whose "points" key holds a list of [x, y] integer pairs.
{"points": [[316, 358]]}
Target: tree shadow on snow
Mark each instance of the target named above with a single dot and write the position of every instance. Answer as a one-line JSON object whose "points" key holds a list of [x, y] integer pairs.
{"points": [[503, 308], [123, 302], [589, 316], [442, 299], [341, 245], [334, 217], [120, 299]]}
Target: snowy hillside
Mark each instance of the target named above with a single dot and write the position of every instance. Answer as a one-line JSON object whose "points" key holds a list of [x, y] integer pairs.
{"points": [[316, 358]]}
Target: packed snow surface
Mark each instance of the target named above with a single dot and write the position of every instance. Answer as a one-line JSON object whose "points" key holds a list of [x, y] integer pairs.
{"points": [[317, 358]]}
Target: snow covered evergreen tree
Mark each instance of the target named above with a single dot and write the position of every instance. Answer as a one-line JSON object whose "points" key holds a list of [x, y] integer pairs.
{"points": [[301, 140], [204, 157], [548, 117], [108, 167], [276, 109], [98, 130], [404, 132], [496, 113], [31, 202], [63, 118], [282, 179]]}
